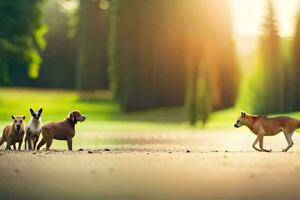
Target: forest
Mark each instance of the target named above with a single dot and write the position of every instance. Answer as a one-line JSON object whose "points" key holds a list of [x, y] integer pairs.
{"points": [[149, 54]]}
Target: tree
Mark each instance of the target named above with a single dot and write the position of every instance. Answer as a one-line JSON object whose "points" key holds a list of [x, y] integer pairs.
{"points": [[58, 68], [21, 40], [296, 67], [146, 58], [213, 71], [92, 41], [269, 97]]}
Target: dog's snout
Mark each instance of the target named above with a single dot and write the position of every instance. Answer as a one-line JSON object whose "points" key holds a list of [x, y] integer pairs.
{"points": [[236, 125]]}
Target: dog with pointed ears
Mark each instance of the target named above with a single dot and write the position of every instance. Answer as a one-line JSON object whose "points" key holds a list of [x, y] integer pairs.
{"points": [[33, 129], [268, 126]]}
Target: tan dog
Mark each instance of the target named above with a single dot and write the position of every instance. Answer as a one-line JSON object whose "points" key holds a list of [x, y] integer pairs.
{"points": [[265, 126], [13, 133], [64, 130]]}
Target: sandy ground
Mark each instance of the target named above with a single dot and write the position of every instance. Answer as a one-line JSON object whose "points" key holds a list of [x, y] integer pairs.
{"points": [[208, 165]]}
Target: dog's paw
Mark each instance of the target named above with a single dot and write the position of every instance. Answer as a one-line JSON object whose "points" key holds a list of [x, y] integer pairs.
{"points": [[284, 150], [267, 150]]}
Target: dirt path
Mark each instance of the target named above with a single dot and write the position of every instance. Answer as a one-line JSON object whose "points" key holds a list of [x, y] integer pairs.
{"points": [[206, 166]]}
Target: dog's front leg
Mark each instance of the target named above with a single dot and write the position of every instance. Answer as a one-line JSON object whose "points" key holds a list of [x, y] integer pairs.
{"points": [[8, 142], [20, 145], [261, 144], [255, 142], [26, 143], [69, 141], [29, 141], [35, 142]]}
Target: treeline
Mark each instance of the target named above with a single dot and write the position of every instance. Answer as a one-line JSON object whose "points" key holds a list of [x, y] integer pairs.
{"points": [[272, 86], [162, 59]]}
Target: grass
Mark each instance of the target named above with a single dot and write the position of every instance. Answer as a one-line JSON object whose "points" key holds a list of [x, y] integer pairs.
{"points": [[56, 104], [101, 111]]}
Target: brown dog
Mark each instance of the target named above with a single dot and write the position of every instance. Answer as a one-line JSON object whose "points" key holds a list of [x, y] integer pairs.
{"points": [[13, 133], [265, 126], [64, 130]]}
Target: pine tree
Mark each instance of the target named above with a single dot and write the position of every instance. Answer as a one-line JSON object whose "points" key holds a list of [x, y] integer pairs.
{"points": [[213, 73], [296, 67], [191, 101], [92, 35], [271, 62]]}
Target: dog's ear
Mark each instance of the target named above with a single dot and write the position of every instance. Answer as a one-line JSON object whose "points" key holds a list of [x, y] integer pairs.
{"points": [[243, 114], [23, 117], [71, 116], [12, 117], [40, 110], [31, 110]]}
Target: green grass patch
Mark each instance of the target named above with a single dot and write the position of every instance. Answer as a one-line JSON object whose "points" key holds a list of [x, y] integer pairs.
{"points": [[103, 114], [56, 104]]}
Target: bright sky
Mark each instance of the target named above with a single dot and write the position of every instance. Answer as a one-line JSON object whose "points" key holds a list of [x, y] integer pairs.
{"points": [[248, 14]]}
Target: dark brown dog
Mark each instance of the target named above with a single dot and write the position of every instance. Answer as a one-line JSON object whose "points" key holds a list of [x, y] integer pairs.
{"points": [[64, 130], [14, 133]]}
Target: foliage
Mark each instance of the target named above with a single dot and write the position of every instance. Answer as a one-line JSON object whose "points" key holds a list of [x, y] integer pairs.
{"points": [[21, 39]]}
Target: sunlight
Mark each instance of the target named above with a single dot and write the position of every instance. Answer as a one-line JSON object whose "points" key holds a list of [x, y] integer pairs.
{"points": [[248, 15], [70, 5], [104, 4]]}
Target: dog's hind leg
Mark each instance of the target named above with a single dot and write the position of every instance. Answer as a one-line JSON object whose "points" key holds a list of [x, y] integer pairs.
{"points": [[48, 143], [261, 145], [288, 137], [255, 142], [42, 142]]}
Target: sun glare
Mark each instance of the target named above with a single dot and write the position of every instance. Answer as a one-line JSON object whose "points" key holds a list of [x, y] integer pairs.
{"points": [[248, 15], [70, 5]]}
